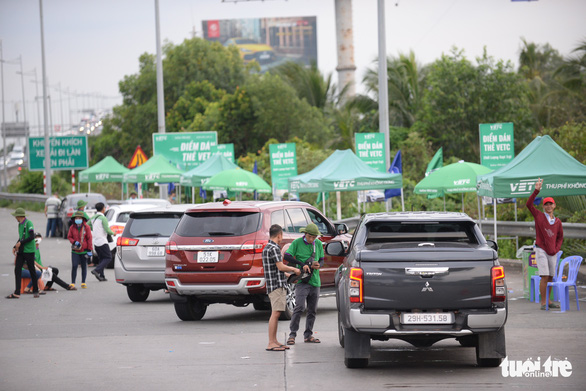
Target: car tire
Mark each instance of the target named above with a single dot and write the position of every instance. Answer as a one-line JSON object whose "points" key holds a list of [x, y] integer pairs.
{"points": [[290, 305], [469, 341], [340, 331], [261, 306], [137, 292], [494, 343], [191, 309], [356, 349]]}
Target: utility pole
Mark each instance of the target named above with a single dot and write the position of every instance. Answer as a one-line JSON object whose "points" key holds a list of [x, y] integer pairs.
{"points": [[345, 47], [47, 145], [5, 184], [26, 131], [383, 89], [160, 90]]}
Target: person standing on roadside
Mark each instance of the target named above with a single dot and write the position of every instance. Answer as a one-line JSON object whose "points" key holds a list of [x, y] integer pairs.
{"points": [[80, 237], [276, 280], [549, 237], [308, 253], [100, 231], [24, 251], [51, 213]]}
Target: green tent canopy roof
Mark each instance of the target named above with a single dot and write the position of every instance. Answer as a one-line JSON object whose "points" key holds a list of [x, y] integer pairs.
{"points": [[343, 171], [156, 169], [543, 158], [198, 175], [454, 178], [106, 170], [237, 180]]}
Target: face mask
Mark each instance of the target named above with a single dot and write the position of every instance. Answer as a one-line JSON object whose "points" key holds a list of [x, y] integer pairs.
{"points": [[38, 241], [78, 221]]}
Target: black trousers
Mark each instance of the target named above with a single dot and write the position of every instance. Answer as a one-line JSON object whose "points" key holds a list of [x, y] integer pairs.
{"points": [[105, 257], [56, 279], [21, 259]]}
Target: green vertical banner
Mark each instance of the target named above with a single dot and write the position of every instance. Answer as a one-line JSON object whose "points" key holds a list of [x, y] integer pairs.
{"points": [[283, 164], [370, 148], [185, 150], [226, 150], [497, 144]]}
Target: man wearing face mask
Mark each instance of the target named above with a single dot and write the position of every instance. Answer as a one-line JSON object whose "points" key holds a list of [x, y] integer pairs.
{"points": [[80, 237]]}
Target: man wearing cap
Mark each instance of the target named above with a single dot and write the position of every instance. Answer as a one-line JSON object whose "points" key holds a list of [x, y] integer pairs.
{"points": [[307, 253], [52, 213], [24, 250], [549, 237]]}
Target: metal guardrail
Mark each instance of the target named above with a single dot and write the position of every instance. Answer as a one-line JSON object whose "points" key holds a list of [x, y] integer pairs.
{"points": [[24, 197], [505, 228]]}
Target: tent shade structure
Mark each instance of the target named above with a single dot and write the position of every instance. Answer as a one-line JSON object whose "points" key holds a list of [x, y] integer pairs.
{"points": [[343, 171], [543, 158], [454, 178], [106, 170], [237, 180], [214, 165], [156, 169]]}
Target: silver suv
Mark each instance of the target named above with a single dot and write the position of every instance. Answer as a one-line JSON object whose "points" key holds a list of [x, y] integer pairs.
{"points": [[140, 250]]}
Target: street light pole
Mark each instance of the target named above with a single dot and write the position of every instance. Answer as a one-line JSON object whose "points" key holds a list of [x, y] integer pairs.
{"points": [[160, 90], [26, 133], [47, 145]]}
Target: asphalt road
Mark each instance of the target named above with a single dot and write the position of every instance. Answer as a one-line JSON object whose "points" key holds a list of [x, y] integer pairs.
{"points": [[96, 339]]}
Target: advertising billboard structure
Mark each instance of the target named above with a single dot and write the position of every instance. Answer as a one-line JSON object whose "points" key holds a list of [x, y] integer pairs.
{"points": [[269, 41]]}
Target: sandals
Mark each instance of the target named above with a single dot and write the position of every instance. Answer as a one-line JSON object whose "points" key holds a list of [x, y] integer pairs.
{"points": [[291, 341], [311, 340], [49, 289], [276, 349], [12, 296], [71, 287]]}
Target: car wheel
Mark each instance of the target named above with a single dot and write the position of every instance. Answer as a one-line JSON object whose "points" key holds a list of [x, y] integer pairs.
{"points": [[65, 230], [340, 331], [469, 341], [137, 292], [261, 305], [290, 307], [192, 309], [494, 344], [356, 349]]}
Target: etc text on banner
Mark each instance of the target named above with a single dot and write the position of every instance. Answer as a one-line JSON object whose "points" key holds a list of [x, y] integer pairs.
{"points": [[370, 148], [66, 152], [497, 144], [185, 150], [283, 164]]}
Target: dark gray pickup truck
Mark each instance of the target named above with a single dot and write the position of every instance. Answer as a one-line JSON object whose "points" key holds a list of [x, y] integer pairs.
{"points": [[420, 277]]}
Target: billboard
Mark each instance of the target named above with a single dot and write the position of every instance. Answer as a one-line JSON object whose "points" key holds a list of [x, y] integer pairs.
{"points": [[66, 152], [186, 150], [268, 41], [497, 144], [370, 148]]}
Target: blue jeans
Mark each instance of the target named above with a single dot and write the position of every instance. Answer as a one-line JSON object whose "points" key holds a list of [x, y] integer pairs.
{"points": [[78, 260], [51, 226], [27, 274]]}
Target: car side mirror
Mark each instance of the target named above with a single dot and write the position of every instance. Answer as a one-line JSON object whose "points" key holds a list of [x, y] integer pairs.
{"points": [[341, 229], [492, 244], [335, 248]]}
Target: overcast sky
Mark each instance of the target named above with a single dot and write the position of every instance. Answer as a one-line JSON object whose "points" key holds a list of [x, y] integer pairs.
{"points": [[91, 45]]}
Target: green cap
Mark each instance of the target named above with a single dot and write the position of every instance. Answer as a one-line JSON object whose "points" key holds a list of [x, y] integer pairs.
{"points": [[311, 229], [19, 212], [81, 203]]}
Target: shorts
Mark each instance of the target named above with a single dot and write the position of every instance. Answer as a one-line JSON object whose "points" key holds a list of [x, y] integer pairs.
{"points": [[545, 263], [278, 299]]}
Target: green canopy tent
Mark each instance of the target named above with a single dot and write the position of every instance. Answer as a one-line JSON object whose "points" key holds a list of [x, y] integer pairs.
{"points": [[106, 170], [454, 178], [156, 169], [543, 158], [238, 180], [343, 171], [197, 176]]}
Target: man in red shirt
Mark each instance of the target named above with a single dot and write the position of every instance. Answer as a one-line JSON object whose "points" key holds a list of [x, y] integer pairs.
{"points": [[549, 237]]}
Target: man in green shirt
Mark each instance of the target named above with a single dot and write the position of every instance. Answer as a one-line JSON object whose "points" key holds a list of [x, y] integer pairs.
{"points": [[24, 250], [307, 253]]}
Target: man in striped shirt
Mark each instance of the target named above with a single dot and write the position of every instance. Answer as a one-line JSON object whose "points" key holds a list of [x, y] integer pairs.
{"points": [[274, 270]]}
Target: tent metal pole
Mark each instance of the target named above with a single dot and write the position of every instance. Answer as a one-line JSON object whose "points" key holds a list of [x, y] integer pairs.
{"points": [[193, 195], [494, 208], [121, 191], [323, 201], [358, 201], [444, 202], [479, 217], [516, 237], [339, 206], [402, 200], [462, 202]]}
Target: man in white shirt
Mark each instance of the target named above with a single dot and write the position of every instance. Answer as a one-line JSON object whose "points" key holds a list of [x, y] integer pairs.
{"points": [[52, 213], [100, 231]]}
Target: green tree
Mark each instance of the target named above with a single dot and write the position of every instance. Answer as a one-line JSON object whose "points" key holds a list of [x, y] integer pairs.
{"points": [[571, 75], [460, 96]]}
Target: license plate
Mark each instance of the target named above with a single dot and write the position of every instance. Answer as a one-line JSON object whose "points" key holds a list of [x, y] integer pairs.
{"points": [[427, 318], [207, 257], [158, 251]]}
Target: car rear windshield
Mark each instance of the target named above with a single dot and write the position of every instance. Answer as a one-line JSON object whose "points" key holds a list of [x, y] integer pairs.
{"points": [[206, 224], [151, 225], [91, 201], [387, 232]]}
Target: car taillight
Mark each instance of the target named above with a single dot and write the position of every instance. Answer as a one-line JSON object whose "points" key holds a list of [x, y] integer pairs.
{"points": [[254, 246], [122, 241], [70, 212], [499, 291], [117, 229], [171, 247], [356, 285]]}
